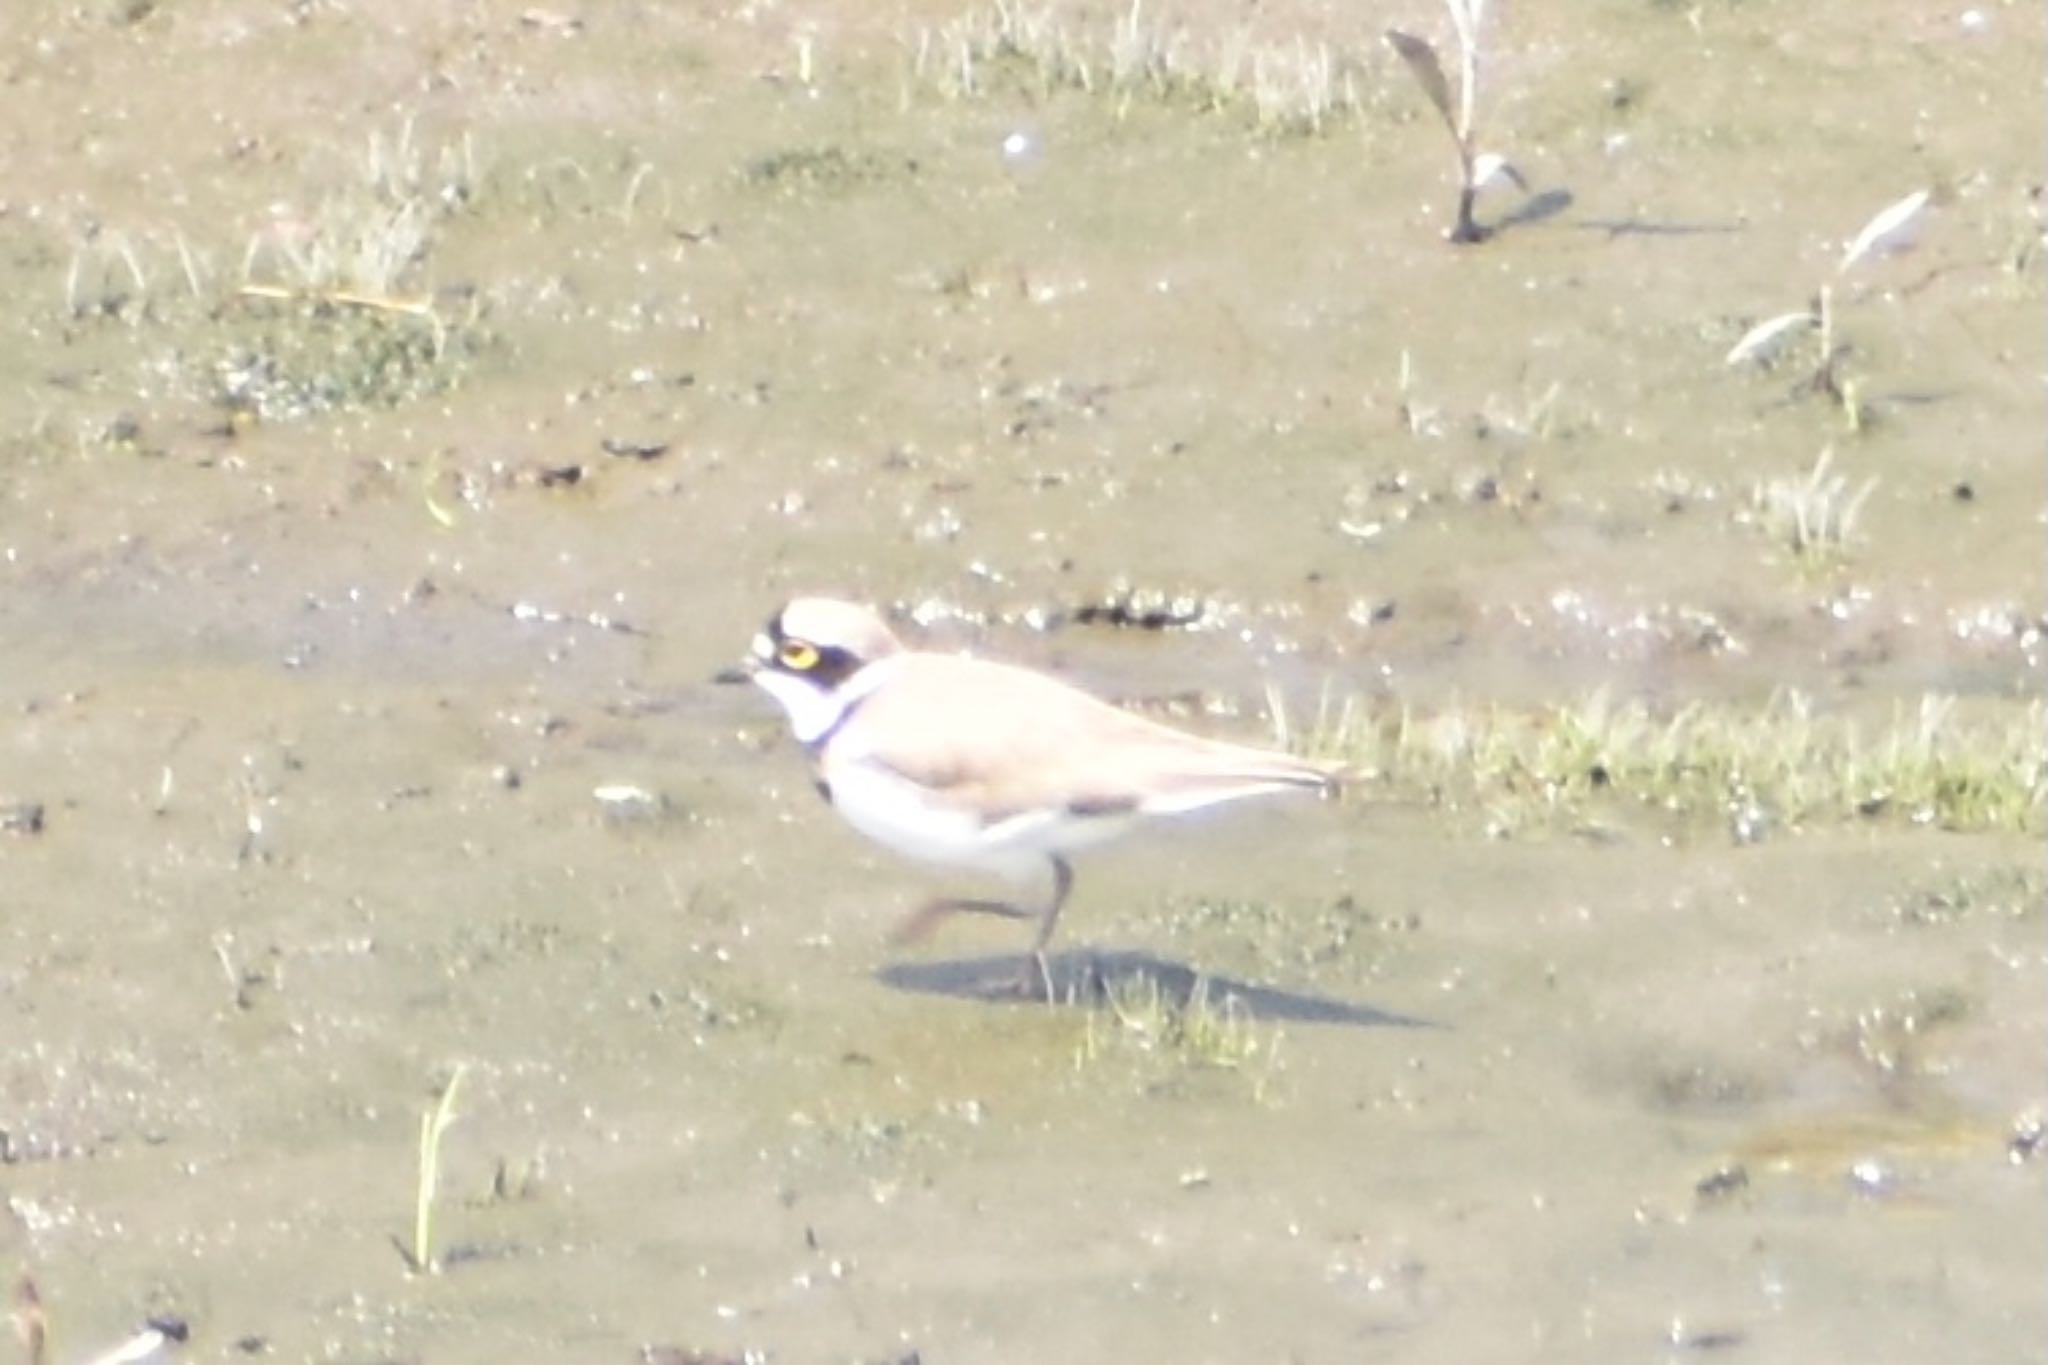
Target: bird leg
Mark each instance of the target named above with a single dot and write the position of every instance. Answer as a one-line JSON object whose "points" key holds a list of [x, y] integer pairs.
{"points": [[917, 926], [1062, 883], [1036, 978]]}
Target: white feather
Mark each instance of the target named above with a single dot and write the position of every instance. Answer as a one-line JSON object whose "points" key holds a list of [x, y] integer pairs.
{"points": [[1761, 342], [1890, 230]]}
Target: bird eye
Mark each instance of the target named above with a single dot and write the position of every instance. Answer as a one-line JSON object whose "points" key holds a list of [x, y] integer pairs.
{"points": [[798, 655]]}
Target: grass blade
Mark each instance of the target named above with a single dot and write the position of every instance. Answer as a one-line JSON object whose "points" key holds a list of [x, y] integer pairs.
{"points": [[1428, 71]]}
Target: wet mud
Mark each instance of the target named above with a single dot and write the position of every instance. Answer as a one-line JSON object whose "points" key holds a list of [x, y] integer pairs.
{"points": [[412, 411]]}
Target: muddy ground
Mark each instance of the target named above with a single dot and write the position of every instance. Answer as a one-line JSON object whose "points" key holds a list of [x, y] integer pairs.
{"points": [[410, 411]]}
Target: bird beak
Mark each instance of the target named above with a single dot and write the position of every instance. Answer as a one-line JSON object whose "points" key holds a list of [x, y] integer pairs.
{"points": [[745, 669]]}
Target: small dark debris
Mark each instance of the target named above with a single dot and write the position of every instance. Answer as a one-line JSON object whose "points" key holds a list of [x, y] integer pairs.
{"points": [[1133, 611], [504, 1185], [21, 817], [1597, 776], [247, 982], [234, 421], [1963, 492], [1722, 1183], [173, 1328], [684, 1355], [559, 476], [124, 432], [253, 1345], [564, 24], [2025, 1141], [1623, 93], [125, 13], [625, 449], [475, 1251], [1711, 1340]]}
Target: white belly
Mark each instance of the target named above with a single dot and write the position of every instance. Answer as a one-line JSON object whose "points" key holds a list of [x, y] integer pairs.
{"points": [[913, 821]]}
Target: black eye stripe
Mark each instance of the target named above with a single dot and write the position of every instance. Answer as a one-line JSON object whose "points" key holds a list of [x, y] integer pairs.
{"points": [[833, 665]]}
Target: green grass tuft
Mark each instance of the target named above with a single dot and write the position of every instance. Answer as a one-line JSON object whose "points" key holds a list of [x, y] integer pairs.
{"points": [[1784, 764], [1138, 54], [1167, 1037]]}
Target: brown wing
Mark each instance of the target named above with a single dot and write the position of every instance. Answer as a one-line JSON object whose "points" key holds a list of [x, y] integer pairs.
{"points": [[1010, 740]]}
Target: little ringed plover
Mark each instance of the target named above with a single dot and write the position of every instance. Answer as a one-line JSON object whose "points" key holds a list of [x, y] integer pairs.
{"points": [[970, 763]]}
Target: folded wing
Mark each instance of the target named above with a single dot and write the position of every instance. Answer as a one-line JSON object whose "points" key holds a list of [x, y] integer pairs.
{"points": [[1007, 741]]}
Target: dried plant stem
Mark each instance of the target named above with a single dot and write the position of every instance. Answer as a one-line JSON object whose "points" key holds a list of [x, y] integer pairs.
{"points": [[434, 1125]]}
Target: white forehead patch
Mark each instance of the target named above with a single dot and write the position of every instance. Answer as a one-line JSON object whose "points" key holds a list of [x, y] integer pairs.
{"points": [[813, 710]]}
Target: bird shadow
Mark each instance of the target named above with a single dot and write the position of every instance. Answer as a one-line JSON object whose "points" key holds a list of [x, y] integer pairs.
{"points": [[1083, 979], [1653, 227], [1537, 208]]}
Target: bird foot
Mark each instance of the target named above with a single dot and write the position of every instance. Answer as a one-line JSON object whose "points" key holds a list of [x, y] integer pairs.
{"points": [[1032, 983], [917, 926]]}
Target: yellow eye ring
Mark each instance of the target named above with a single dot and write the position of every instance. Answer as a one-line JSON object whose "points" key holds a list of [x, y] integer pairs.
{"points": [[798, 655]]}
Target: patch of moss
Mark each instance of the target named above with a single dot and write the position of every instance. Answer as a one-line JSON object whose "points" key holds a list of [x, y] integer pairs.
{"points": [[830, 169], [297, 358]]}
